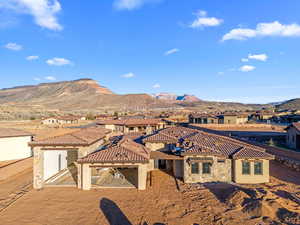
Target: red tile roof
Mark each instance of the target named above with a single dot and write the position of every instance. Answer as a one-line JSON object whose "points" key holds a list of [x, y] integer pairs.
{"points": [[10, 132], [131, 122], [125, 151], [85, 136], [204, 143]]}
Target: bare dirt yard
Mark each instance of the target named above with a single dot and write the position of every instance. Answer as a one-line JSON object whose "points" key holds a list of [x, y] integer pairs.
{"points": [[167, 201]]}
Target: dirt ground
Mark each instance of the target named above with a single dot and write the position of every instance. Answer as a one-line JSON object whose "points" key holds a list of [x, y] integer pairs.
{"points": [[166, 202]]}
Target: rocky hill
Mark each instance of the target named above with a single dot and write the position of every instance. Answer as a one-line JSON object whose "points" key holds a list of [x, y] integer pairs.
{"points": [[86, 95], [174, 97], [293, 104]]}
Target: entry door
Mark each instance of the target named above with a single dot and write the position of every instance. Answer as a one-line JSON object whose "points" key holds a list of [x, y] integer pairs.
{"points": [[54, 161]]}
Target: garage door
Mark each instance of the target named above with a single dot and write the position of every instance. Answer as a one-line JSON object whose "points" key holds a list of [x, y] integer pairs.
{"points": [[54, 161]]}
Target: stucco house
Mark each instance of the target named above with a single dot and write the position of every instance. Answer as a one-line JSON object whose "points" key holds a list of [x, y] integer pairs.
{"points": [[14, 144], [293, 136], [59, 120], [133, 125], [218, 118], [203, 118], [106, 160]]}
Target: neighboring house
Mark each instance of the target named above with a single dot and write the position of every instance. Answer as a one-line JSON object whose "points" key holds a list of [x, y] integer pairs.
{"points": [[62, 120], [14, 144], [133, 125], [233, 118], [191, 155], [293, 136], [218, 119], [203, 119]]}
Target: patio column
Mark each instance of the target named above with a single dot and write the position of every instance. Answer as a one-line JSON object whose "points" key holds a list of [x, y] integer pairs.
{"points": [[142, 177], [86, 177]]}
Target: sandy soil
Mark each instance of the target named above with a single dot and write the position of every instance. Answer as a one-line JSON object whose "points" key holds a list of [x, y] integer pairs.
{"points": [[166, 202]]}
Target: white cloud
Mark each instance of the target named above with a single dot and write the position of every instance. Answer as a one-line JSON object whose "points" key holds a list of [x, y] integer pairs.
{"points": [[58, 62], [32, 57], [203, 21], [44, 11], [156, 86], [220, 73], [37, 79], [131, 4], [244, 60], [259, 57], [128, 75], [263, 30], [13, 46], [247, 68], [51, 78], [171, 51]]}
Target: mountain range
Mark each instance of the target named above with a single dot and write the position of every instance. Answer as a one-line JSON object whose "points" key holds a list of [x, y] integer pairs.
{"points": [[86, 95]]}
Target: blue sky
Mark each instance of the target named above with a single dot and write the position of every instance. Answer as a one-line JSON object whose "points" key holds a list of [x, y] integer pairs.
{"points": [[246, 51]]}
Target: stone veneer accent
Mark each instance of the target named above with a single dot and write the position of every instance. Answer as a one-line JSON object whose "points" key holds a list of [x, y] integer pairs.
{"points": [[220, 171]]}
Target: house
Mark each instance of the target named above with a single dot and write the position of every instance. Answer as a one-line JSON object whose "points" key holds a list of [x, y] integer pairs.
{"points": [[203, 118], [218, 118], [233, 118], [14, 144], [62, 120], [101, 160], [293, 136], [133, 125]]}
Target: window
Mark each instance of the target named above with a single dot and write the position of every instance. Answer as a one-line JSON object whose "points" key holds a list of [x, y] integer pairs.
{"points": [[221, 161], [245, 168], [195, 168], [206, 168], [131, 128], [258, 168]]}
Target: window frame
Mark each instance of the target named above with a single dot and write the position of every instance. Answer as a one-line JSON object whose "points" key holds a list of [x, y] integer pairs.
{"points": [[204, 168], [249, 167], [261, 167], [193, 169]]}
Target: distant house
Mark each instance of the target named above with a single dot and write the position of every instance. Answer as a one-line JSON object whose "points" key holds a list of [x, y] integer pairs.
{"points": [[203, 118], [133, 125], [62, 120], [233, 118], [14, 144], [218, 119], [293, 136]]}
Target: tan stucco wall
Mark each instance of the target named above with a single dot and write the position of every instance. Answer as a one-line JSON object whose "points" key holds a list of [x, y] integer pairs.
{"points": [[219, 171], [13, 148], [238, 177]]}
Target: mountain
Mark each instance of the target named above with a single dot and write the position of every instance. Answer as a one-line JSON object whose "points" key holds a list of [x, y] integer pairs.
{"points": [[87, 96], [174, 97], [293, 104]]}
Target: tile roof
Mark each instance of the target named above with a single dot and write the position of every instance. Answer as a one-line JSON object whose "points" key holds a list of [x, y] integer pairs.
{"points": [[10, 132], [131, 122], [125, 151], [205, 143], [85, 136], [170, 135]]}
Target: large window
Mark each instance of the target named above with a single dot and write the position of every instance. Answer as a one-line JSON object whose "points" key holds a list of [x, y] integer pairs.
{"points": [[206, 168], [258, 168], [195, 168], [245, 168]]}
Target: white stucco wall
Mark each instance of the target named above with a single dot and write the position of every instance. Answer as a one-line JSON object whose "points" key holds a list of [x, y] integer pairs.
{"points": [[12, 148]]}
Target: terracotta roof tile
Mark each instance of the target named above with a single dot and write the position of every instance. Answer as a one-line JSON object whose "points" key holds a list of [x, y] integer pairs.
{"points": [[124, 151], [10, 132], [85, 136]]}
